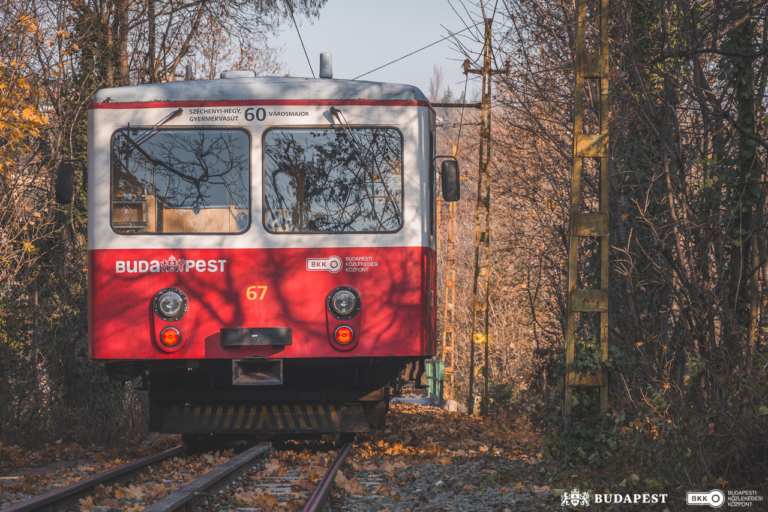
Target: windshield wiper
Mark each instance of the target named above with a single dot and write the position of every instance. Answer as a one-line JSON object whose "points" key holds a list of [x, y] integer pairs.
{"points": [[153, 130]]}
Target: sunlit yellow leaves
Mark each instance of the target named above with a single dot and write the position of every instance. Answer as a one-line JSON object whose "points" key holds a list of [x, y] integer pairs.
{"points": [[19, 117], [29, 24]]}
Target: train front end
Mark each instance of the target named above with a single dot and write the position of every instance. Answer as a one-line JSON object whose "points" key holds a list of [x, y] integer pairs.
{"points": [[262, 250]]}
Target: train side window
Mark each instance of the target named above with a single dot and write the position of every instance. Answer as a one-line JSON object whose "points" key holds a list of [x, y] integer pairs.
{"points": [[180, 181], [333, 180]]}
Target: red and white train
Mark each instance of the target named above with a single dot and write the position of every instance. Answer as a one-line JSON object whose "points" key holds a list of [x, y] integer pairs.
{"points": [[262, 250]]}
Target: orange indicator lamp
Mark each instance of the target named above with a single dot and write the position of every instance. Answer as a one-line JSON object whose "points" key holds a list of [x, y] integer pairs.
{"points": [[344, 334], [170, 337]]}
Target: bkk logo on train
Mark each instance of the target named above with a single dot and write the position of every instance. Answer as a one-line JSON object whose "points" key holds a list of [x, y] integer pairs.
{"points": [[170, 265], [332, 264]]}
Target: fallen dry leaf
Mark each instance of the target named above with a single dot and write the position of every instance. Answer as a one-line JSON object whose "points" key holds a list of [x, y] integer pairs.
{"points": [[157, 491], [133, 492], [102, 491], [350, 485], [271, 466], [87, 505]]}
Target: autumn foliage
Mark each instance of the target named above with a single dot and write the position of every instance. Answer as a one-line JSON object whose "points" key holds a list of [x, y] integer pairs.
{"points": [[20, 119]]}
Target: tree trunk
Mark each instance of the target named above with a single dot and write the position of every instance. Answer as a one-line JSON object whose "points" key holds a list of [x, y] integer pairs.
{"points": [[152, 50]]}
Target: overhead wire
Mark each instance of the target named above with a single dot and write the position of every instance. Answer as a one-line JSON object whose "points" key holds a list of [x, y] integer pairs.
{"points": [[290, 8], [417, 51], [460, 48]]}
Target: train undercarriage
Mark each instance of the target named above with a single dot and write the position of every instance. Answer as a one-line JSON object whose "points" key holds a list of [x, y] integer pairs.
{"points": [[301, 396]]}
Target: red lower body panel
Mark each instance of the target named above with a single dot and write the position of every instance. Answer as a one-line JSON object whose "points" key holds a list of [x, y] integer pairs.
{"points": [[262, 288]]}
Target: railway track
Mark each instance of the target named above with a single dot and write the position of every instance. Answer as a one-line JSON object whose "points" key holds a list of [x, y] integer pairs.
{"points": [[69, 496], [216, 489]]}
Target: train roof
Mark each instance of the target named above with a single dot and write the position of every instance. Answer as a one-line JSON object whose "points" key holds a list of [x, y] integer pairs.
{"points": [[266, 88]]}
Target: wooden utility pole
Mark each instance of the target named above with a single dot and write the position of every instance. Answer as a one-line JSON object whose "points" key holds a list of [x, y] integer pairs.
{"points": [[589, 66], [480, 290], [449, 338], [482, 231]]}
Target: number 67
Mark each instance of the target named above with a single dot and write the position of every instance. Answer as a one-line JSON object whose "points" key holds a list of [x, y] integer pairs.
{"points": [[252, 294]]}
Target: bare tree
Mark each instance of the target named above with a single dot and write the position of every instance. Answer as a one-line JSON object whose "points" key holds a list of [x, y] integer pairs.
{"points": [[436, 84]]}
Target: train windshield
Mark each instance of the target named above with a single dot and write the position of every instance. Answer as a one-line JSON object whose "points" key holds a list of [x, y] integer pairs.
{"points": [[180, 181], [333, 180]]}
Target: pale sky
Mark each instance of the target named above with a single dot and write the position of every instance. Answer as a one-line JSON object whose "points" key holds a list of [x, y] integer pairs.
{"points": [[365, 34]]}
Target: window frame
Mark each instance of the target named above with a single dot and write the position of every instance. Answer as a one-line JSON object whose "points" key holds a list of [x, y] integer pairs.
{"points": [[327, 233], [185, 128]]}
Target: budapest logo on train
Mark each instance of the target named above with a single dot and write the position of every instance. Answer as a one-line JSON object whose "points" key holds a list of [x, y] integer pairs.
{"points": [[169, 265]]}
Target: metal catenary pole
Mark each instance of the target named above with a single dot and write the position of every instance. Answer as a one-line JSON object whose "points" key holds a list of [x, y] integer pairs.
{"points": [[589, 66]]}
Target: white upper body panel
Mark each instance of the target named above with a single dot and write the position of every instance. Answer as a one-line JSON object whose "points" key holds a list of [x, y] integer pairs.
{"points": [[269, 88], [286, 102]]}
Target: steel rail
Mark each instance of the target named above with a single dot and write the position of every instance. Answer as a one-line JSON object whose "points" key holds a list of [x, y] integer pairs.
{"points": [[214, 480], [319, 495], [69, 496]]}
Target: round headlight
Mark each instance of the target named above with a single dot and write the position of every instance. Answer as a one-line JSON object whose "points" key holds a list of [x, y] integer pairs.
{"points": [[343, 302], [170, 304]]}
